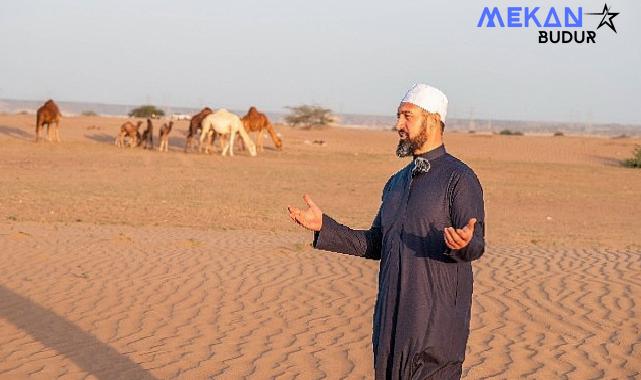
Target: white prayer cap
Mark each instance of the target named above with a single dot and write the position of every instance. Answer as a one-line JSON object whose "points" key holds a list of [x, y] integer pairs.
{"points": [[428, 98]]}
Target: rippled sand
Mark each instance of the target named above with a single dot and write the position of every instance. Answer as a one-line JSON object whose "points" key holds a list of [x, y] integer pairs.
{"points": [[135, 264]]}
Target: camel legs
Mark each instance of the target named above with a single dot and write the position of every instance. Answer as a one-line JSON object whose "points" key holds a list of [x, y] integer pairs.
{"points": [[121, 140], [57, 131], [260, 140], [203, 134], [164, 145], [232, 137], [225, 144], [241, 145], [210, 141], [48, 132], [37, 132]]}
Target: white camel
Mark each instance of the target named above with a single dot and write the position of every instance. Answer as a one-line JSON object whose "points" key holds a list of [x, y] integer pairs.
{"points": [[227, 125]]}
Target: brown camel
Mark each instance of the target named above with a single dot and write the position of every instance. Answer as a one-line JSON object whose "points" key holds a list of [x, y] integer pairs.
{"points": [[130, 130], [163, 136], [148, 136], [255, 121], [48, 114], [195, 126]]}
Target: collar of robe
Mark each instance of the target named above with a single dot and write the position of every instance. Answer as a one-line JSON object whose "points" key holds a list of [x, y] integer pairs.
{"points": [[421, 162]]}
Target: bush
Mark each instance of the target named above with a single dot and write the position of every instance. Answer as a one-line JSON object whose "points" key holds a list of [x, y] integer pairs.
{"points": [[635, 161], [147, 111], [88, 113], [558, 134], [508, 132], [308, 116]]}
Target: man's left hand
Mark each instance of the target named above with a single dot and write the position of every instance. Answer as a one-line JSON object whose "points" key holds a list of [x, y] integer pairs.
{"points": [[457, 238]]}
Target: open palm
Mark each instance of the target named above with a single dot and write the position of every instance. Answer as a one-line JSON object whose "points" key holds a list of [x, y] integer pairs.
{"points": [[312, 218]]}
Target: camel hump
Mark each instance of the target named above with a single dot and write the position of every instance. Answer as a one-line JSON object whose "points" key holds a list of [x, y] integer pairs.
{"points": [[48, 111]]}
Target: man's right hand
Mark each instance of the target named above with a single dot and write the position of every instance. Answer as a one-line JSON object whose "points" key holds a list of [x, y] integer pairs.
{"points": [[312, 218]]}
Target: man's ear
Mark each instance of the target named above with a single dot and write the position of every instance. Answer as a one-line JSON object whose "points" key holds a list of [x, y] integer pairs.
{"points": [[438, 122], [435, 122]]}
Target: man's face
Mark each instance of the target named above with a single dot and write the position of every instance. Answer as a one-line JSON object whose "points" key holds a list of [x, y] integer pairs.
{"points": [[411, 126]]}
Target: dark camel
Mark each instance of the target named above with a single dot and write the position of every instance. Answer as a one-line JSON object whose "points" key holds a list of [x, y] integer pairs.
{"points": [[148, 136], [48, 114], [195, 126]]}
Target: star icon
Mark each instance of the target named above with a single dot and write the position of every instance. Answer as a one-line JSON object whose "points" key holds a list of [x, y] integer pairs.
{"points": [[607, 17]]}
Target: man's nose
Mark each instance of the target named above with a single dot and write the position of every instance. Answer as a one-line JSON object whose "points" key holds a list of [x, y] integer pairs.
{"points": [[399, 125]]}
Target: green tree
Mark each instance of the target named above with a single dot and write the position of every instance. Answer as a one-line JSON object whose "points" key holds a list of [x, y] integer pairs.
{"points": [[307, 116], [147, 111]]}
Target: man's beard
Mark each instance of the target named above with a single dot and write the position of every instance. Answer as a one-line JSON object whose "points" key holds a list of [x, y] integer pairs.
{"points": [[407, 146]]}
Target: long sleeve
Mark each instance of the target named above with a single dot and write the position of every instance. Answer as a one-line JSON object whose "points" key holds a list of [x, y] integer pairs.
{"points": [[467, 203], [336, 237]]}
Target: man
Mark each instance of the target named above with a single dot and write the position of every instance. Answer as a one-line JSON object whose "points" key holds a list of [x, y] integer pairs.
{"points": [[429, 227]]}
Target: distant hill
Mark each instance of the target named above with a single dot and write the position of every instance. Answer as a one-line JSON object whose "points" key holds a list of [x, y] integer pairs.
{"points": [[350, 120]]}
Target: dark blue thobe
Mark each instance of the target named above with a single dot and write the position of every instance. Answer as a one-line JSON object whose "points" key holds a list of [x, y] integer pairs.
{"points": [[422, 312]]}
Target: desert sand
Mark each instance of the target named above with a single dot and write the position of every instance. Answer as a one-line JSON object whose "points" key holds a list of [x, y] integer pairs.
{"points": [[132, 264]]}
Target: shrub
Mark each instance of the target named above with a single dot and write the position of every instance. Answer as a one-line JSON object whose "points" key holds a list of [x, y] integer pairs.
{"points": [[147, 111], [88, 113], [558, 134], [508, 132], [308, 116], [635, 161]]}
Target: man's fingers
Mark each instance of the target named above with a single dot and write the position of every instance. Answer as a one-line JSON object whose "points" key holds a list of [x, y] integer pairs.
{"points": [[294, 213], [471, 223], [464, 233], [458, 240], [448, 240], [309, 201], [293, 210]]}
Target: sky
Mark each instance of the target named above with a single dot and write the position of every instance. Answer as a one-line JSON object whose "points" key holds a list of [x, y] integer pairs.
{"points": [[351, 56]]}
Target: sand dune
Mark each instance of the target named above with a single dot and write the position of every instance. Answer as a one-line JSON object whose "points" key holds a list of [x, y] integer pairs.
{"points": [[132, 264], [183, 303]]}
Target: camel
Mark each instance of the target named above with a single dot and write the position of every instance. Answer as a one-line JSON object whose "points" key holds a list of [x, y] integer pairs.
{"points": [[163, 136], [48, 114], [148, 136], [255, 121], [130, 130], [226, 124], [195, 126]]}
